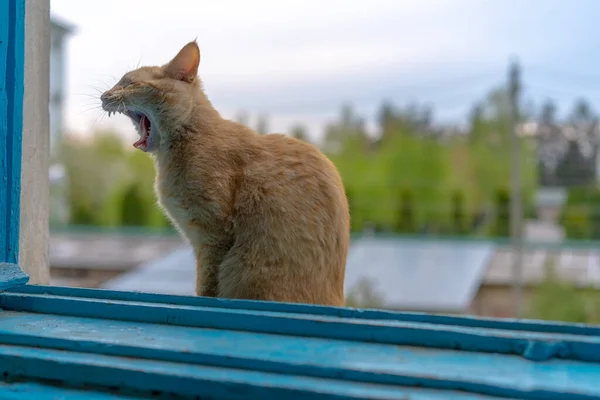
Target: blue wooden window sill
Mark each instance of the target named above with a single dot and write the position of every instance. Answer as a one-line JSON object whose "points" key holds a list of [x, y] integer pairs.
{"points": [[99, 344]]}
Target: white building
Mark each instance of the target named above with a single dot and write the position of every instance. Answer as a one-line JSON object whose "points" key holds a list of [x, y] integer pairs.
{"points": [[59, 32]]}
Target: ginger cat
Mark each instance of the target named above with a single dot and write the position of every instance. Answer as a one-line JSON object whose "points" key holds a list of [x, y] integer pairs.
{"points": [[266, 215]]}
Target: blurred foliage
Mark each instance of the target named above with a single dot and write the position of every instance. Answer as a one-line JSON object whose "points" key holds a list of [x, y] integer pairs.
{"points": [[111, 186], [557, 300], [413, 177], [575, 216], [581, 214], [409, 176], [364, 295], [502, 220]]}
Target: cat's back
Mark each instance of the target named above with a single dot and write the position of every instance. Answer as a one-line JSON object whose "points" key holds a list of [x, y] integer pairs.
{"points": [[300, 156], [292, 212], [291, 166]]}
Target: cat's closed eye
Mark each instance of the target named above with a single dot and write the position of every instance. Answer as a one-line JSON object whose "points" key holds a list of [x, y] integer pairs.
{"points": [[125, 82]]}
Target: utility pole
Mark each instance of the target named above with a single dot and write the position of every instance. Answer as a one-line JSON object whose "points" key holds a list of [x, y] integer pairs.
{"points": [[516, 206]]}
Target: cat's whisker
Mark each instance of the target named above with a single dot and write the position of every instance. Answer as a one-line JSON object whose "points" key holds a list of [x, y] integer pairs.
{"points": [[90, 101], [107, 75], [88, 96], [97, 87], [97, 92], [112, 103], [97, 120], [88, 109], [92, 105]]}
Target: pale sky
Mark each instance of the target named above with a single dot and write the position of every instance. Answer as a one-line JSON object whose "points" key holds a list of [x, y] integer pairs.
{"points": [[299, 60]]}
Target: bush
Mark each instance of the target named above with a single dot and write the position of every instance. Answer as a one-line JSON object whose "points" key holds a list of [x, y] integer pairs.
{"points": [[556, 300], [405, 220], [458, 214], [134, 207], [82, 214], [502, 221], [594, 213], [575, 216], [364, 295]]}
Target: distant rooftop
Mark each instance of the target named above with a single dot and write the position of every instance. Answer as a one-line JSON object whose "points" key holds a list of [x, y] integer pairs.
{"points": [[108, 251], [420, 274], [417, 275], [406, 274]]}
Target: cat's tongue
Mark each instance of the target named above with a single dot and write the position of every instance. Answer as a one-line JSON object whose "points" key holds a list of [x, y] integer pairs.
{"points": [[145, 129]]}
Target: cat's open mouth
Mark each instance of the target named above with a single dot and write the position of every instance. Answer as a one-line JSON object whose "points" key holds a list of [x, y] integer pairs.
{"points": [[144, 125]]}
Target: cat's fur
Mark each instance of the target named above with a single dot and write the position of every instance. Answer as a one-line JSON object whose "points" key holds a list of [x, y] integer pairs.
{"points": [[266, 215]]}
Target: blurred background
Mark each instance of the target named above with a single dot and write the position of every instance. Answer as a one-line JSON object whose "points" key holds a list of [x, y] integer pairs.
{"points": [[466, 132]]}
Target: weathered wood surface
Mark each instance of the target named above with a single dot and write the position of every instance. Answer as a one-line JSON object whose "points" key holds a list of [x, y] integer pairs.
{"points": [[11, 275], [60, 340], [12, 44]]}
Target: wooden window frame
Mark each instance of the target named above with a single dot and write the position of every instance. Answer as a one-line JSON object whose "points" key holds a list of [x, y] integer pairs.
{"points": [[24, 135]]}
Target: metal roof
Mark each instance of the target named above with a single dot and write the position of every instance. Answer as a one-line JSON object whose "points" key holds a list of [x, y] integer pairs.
{"points": [[174, 273], [96, 250], [412, 274], [407, 274]]}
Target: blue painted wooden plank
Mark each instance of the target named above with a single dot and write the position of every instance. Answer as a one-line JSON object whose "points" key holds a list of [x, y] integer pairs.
{"points": [[342, 360], [39, 391], [11, 276], [195, 380], [534, 346], [4, 115], [342, 312], [12, 44]]}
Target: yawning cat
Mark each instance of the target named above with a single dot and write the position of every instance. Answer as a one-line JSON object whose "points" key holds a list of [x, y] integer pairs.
{"points": [[266, 215]]}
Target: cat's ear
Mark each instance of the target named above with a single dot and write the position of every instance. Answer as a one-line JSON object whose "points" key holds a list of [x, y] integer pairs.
{"points": [[185, 64]]}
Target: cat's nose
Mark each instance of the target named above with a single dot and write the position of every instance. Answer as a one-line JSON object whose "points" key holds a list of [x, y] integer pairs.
{"points": [[105, 96]]}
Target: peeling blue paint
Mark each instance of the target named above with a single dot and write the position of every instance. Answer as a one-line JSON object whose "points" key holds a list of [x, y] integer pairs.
{"points": [[342, 312], [11, 275], [232, 349], [12, 45]]}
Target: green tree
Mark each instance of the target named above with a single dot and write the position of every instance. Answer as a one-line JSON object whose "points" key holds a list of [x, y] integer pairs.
{"points": [[594, 210], [405, 220], [459, 225], [502, 224], [262, 125], [242, 118], [298, 131], [134, 208], [548, 113], [558, 300], [575, 216], [94, 168], [349, 128]]}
